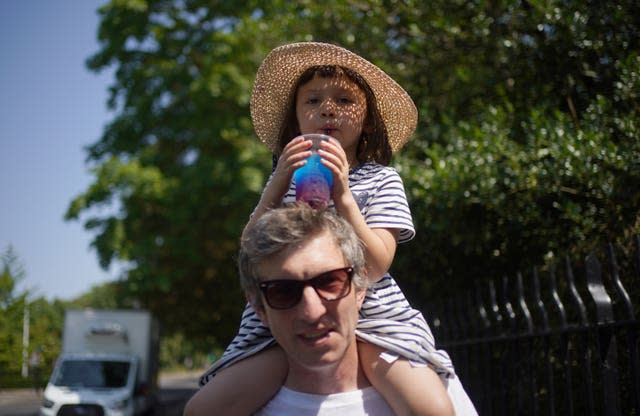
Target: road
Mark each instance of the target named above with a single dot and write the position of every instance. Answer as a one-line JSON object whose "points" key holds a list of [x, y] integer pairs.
{"points": [[175, 390]]}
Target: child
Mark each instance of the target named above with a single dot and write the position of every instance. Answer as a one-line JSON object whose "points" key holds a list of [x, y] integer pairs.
{"points": [[312, 87]]}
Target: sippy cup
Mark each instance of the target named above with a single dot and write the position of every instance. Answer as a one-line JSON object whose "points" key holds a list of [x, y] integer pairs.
{"points": [[314, 180]]}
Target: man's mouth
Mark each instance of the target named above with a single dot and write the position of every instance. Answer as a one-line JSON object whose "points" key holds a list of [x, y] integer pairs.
{"points": [[315, 336]]}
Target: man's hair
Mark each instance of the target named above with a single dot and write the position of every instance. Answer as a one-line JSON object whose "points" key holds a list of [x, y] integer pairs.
{"points": [[281, 228]]}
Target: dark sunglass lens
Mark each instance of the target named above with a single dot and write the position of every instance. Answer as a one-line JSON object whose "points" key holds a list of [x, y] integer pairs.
{"points": [[284, 294], [334, 284]]}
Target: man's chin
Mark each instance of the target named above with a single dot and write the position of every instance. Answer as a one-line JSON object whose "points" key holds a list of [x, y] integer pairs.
{"points": [[319, 357]]}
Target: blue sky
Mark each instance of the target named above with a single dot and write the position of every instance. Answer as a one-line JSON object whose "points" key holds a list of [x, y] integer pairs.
{"points": [[51, 108]]}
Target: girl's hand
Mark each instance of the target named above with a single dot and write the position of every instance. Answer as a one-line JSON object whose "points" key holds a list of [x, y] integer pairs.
{"points": [[333, 157], [293, 156]]}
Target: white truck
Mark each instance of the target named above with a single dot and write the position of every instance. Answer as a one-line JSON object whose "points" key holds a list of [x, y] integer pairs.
{"points": [[108, 365]]}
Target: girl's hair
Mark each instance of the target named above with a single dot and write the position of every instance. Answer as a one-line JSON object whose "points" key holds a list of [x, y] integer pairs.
{"points": [[374, 143]]}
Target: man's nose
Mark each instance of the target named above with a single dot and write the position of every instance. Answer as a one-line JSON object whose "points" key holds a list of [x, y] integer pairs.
{"points": [[311, 305]]}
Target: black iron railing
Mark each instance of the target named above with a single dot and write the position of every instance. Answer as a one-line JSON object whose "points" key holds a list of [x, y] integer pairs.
{"points": [[548, 343]]}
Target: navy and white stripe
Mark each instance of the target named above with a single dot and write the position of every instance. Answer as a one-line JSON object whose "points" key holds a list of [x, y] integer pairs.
{"points": [[386, 318], [380, 194]]}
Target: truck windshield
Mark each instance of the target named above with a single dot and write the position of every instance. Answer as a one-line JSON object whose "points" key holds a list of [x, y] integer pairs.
{"points": [[94, 374]]}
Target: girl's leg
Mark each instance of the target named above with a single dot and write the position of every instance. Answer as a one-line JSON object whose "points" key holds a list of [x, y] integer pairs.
{"points": [[242, 388], [408, 390]]}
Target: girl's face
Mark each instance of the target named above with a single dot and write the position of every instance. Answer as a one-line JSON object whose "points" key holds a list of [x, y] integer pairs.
{"points": [[335, 106]]}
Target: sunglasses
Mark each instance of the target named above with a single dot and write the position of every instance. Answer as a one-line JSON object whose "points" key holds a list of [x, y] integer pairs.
{"points": [[285, 294]]}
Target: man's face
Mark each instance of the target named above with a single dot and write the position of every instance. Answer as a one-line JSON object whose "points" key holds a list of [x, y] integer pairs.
{"points": [[314, 333]]}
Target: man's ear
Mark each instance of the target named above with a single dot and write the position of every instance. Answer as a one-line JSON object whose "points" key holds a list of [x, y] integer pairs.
{"points": [[361, 292], [259, 309]]}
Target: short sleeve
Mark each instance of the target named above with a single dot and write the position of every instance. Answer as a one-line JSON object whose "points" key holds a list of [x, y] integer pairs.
{"points": [[379, 192]]}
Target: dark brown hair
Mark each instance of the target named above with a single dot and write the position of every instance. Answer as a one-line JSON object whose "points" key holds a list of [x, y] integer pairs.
{"points": [[373, 144]]}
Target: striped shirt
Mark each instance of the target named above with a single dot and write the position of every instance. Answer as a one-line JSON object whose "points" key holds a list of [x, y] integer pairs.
{"points": [[386, 318], [380, 195]]}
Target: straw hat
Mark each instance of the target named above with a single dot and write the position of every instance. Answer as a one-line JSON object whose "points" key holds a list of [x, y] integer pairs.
{"points": [[280, 70]]}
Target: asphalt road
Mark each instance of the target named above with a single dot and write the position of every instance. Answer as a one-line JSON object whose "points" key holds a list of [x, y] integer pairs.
{"points": [[175, 390]]}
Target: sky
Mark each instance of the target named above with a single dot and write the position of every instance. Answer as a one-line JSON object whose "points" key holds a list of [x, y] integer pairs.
{"points": [[51, 108]]}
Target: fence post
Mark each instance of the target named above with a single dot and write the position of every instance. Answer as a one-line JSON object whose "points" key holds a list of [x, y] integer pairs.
{"points": [[529, 330], [613, 269], [546, 336], [607, 344], [486, 362], [495, 309], [585, 349], [630, 316], [564, 340]]}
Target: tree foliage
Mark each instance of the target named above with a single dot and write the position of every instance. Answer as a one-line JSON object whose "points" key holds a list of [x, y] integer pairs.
{"points": [[45, 324], [534, 150], [12, 273], [526, 144]]}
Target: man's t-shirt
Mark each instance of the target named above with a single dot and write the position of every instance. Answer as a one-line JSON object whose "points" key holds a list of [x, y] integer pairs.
{"points": [[353, 403]]}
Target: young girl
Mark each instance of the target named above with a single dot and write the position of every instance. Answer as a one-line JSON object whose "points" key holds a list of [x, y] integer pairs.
{"points": [[312, 87]]}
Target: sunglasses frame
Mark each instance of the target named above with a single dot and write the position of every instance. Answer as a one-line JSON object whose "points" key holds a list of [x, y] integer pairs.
{"points": [[302, 284]]}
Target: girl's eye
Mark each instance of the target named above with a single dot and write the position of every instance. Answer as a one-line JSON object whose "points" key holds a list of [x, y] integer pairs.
{"points": [[312, 101], [345, 100]]}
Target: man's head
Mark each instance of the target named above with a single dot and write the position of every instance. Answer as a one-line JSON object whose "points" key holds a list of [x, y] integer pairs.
{"points": [[303, 271], [282, 228]]}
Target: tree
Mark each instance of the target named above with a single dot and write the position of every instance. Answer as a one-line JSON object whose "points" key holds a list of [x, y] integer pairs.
{"points": [[179, 158], [530, 146], [12, 273], [45, 323], [45, 332], [526, 144], [11, 313], [110, 295]]}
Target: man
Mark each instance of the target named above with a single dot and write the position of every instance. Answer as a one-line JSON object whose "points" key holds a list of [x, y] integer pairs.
{"points": [[302, 269]]}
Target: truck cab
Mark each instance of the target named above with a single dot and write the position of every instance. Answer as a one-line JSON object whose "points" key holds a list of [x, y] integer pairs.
{"points": [[108, 366]]}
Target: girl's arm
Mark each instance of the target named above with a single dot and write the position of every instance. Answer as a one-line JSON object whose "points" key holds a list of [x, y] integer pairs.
{"points": [[293, 156], [380, 243], [227, 392], [408, 389]]}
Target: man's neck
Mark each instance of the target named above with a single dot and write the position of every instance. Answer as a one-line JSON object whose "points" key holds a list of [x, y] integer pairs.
{"points": [[345, 376]]}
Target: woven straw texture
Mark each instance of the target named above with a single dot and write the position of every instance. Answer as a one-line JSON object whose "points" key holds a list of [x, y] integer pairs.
{"points": [[278, 73]]}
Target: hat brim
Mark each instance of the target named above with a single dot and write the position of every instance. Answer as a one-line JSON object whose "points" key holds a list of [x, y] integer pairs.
{"points": [[281, 69]]}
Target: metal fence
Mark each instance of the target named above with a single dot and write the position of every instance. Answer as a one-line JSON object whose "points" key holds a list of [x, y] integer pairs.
{"points": [[563, 341]]}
